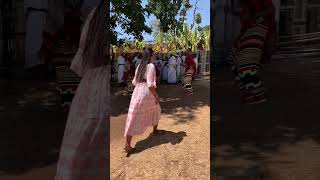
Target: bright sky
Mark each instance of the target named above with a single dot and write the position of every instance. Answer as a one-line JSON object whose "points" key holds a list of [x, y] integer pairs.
{"points": [[203, 9]]}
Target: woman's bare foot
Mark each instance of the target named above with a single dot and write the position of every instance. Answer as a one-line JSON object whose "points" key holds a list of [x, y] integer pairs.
{"points": [[129, 150]]}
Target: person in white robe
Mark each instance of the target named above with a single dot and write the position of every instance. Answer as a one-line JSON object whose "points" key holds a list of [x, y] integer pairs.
{"points": [[172, 70], [121, 68], [137, 60], [36, 12], [179, 68], [165, 71]]}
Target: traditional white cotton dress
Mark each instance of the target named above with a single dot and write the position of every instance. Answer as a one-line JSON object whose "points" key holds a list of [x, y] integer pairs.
{"points": [[143, 110], [165, 71], [172, 70], [121, 67]]}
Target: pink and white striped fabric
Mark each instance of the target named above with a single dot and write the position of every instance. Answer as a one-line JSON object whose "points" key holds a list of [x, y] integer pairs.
{"points": [[143, 110], [85, 146]]}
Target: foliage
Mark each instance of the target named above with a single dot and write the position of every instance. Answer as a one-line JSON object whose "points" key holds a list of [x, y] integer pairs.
{"points": [[198, 18], [170, 30], [126, 46], [166, 11], [140, 45], [129, 15]]}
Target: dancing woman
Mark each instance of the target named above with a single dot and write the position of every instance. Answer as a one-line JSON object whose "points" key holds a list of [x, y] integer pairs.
{"points": [[144, 109], [85, 146], [247, 54]]}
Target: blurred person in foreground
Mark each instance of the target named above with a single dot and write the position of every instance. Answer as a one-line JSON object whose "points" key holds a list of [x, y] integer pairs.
{"points": [[85, 146], [252, 47]]}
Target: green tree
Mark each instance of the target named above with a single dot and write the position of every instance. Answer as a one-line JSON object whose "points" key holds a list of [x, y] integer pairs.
{"points": [[140, 45], [129, 15], [198, 19]]}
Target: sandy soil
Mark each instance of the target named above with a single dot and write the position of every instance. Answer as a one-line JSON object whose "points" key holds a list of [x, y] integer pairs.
{"points": [[181, 153], [33, 125]]}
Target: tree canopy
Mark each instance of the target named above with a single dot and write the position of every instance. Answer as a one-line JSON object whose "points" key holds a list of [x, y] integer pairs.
{"points": [[170, 28], [130, 15]]}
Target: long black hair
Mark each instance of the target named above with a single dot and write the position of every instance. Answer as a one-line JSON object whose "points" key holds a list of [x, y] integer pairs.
{"points": [[146, 58], [98, 30]]}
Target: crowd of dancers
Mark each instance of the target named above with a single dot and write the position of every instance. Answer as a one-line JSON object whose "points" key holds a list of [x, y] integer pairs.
{"points": [[173, 68]]}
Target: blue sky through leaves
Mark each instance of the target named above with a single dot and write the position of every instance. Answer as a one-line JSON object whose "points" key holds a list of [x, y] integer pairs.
{"points": [[203, 8]]}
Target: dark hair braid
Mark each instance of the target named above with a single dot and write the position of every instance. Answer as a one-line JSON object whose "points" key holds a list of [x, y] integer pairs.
{"points": [[144, 63], [98, 31]]}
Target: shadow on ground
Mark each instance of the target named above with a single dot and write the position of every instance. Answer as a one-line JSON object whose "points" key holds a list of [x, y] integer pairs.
{"points": [[173, 100], [32, 126], [247, 132], [164, 138]]}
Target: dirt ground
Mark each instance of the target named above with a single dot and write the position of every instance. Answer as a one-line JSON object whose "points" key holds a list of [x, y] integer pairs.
{"points": [[33, 124], [182, 152]]}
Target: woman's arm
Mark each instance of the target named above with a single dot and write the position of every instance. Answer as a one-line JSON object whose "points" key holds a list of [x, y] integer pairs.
{"points": [[153, 91], [151, 81]]}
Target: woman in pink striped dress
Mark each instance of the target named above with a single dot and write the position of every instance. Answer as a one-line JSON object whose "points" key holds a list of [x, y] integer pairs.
{"points": [[85, 146], [144, 109]]}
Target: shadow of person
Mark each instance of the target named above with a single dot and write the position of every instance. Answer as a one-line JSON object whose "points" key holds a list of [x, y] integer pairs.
{"points": [[164, 137]]}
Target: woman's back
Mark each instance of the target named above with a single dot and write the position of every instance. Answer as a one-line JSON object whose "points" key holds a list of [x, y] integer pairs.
{"points": [[148, 75]]}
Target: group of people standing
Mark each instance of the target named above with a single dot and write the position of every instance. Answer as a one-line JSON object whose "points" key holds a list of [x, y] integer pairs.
{"points": [[172, 69], [253, 46]]}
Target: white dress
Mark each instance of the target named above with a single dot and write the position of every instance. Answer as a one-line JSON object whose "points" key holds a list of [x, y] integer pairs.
{"points": [[172, 70], [165, 71], [121, 67]]}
